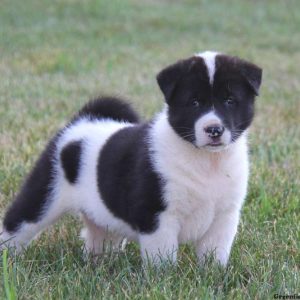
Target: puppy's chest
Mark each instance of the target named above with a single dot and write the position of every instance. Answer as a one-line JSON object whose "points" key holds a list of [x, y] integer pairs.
{"points": [[195, 195]]}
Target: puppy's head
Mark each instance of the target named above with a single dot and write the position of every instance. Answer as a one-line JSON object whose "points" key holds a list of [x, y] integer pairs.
{"points": [[210, 98]]}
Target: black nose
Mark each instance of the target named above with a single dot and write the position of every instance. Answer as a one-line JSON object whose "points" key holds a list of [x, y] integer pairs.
{"points": [[214, 130]]}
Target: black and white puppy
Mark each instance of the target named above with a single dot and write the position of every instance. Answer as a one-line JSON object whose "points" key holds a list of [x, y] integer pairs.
{"points": [[181, 177]]}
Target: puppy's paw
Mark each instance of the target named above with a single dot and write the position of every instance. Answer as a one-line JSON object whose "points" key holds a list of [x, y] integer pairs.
{"points": [[218, 256], [8, 241]]}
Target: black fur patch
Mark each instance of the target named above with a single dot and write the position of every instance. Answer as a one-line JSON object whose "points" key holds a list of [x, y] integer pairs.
{"points": [[29, 204], [70, 160], [240, 81], [129, 186], [108, 107]]}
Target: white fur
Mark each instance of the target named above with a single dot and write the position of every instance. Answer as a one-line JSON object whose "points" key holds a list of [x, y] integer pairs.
{"points": [[163, 243], [204, 192], [210, 61]]}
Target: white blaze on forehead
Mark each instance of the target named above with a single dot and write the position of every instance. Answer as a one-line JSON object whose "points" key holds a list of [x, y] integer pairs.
{"points": [[209, 58]]}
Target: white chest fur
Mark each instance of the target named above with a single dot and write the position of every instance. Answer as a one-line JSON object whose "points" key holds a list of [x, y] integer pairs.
{"points": [[200, 185]]}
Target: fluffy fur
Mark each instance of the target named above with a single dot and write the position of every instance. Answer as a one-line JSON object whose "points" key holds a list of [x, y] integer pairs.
{"points": [[181, 177]]}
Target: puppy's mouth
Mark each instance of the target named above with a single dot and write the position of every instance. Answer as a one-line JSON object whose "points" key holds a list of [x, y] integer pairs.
{"points": [[215, 144]]}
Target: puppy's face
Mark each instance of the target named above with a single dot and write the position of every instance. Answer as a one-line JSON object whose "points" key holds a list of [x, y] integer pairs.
{"points": [[210, 98]]}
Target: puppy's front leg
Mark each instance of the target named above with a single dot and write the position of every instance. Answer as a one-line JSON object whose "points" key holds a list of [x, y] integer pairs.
{"points": [[161, 245], [219, 238]]}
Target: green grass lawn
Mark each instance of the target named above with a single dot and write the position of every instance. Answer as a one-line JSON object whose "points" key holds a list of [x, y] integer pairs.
{"points": [[54, 55]]}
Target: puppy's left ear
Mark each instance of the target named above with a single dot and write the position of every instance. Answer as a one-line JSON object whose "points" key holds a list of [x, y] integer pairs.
{"points": [[169, 77], [253, 75]]}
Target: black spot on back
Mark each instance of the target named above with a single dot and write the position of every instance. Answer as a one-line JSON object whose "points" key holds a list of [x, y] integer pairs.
{"points": [[70, 160], [129, 186]]}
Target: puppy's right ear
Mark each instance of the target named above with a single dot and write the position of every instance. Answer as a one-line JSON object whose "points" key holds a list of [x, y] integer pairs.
{"points": [[169, 77]]}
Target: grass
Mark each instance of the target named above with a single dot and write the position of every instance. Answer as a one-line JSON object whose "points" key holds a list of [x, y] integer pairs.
{"points": [[57, 54]]}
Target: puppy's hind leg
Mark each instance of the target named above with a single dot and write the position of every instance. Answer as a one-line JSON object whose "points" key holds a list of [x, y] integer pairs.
{"points": [[93, 237], [38, 204], [98, 240]]}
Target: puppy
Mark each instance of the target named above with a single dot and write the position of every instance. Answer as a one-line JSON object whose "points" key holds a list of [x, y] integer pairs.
{"points": [[180, 178]]}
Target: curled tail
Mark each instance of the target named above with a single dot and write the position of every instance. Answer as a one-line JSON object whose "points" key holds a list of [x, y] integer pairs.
{"points": [[108, 107]]}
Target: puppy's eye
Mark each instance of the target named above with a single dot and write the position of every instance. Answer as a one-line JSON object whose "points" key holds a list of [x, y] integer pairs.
{"points": [[195, 103], [229, 101]]}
